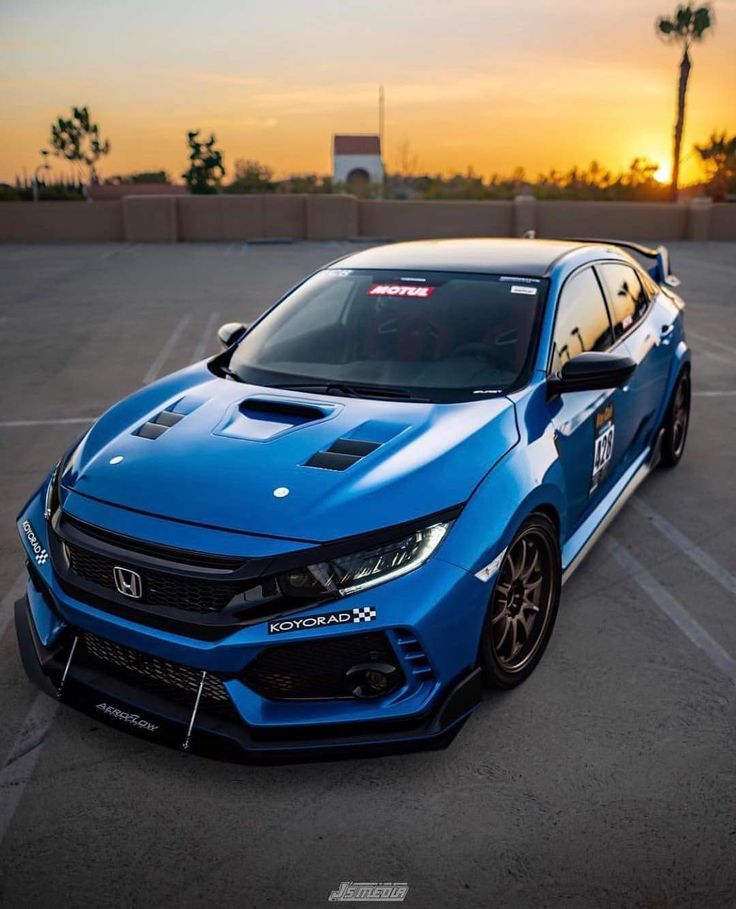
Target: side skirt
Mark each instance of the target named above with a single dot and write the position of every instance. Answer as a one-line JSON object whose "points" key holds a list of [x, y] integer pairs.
{"points": [[588, 534]]}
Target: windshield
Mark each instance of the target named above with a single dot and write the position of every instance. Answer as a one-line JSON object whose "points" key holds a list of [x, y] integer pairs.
{"points": [[440, 336]]}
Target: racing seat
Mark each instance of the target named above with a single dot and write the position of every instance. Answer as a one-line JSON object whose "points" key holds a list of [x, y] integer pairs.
{"points": [[406, 336]]}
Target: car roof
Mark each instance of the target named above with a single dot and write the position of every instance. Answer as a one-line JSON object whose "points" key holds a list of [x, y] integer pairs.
{"points": [[534, 258]]}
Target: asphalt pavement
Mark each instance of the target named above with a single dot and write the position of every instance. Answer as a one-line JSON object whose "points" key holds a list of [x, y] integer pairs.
{"points": [[607, 779]]}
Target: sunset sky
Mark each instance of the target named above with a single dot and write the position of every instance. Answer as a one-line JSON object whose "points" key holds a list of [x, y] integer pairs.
{"points": [[536, 83]]}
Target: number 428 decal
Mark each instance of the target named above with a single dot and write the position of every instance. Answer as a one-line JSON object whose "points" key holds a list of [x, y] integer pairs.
{"points": [[603, 446]]}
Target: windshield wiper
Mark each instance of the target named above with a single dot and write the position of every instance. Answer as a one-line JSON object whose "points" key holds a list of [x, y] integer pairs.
{"points": [[354, 390], [228, 373]]}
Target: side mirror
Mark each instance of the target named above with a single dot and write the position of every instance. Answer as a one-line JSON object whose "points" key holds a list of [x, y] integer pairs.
{"points": [[231, 332], [591, 371]]}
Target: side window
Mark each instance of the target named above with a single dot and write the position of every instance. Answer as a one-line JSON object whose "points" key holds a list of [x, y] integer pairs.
{"points": [[628, 299], [649, 284], [582, 319]]}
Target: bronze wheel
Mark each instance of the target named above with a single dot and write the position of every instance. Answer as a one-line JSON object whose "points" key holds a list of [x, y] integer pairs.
{"points": [[677, 422], [523, 605]]}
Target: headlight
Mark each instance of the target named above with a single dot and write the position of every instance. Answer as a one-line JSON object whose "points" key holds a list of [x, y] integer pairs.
{"points": [[52, 501], [349, 574]]}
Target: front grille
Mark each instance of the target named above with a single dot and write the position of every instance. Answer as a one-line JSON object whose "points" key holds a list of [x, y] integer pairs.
{"points": [[314, 670], [160, 676], [200, 560], [159, 587]]}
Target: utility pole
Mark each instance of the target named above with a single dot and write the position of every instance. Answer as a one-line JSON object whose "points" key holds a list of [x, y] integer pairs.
{"points": [[381, 103]]}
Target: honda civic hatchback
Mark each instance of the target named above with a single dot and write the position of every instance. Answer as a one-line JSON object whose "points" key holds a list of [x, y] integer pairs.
{"points": [[330, 534]]}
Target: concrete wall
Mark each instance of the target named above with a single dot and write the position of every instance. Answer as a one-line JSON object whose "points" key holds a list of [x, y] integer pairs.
{"points": [[242, 217], [723, 222], [420, 220], [150, 219], [168, 219], [59, 222], [614, 220]]}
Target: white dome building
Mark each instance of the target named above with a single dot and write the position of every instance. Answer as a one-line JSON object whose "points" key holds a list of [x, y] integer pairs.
{"points": [[356, 161]]}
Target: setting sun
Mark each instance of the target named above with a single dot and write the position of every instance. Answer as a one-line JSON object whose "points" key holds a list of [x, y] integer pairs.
{"points": [[663, 173]]}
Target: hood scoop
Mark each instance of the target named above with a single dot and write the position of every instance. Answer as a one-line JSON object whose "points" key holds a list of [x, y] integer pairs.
{"points": [[342, 454], [350, 449], [262, 418], [169, 417], [156, 427]]}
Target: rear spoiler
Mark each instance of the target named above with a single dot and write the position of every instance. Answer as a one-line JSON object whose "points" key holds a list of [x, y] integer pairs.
{"points": [[661, 270]]}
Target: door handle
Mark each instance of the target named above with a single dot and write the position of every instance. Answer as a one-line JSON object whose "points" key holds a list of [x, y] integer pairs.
{"points": [[665, 334]]}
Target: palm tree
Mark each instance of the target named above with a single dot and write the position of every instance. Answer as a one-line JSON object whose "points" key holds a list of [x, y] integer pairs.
{"points": [[684, 28], [719, 156]]}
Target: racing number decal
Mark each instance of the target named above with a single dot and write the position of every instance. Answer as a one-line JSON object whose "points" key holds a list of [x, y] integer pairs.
{"points": [[603, 447]]}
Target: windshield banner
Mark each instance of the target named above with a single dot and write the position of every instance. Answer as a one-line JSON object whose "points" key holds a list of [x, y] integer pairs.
{"points": [[400, 290]]}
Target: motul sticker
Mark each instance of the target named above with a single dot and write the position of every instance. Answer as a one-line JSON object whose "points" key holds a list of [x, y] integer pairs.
{"points": [[400, 290]]}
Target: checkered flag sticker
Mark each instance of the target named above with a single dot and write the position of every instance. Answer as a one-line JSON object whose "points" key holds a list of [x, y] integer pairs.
{"points": [[364, 614], [42, 557]]}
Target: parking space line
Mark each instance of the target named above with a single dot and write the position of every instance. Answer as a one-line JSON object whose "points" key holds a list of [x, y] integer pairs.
{"points": [[707, 340], [23, 757], [166, 350], [686, 545], [17, 589], [718, 357], [61, 421], [715, 394], [206, 340], [674, 611]]}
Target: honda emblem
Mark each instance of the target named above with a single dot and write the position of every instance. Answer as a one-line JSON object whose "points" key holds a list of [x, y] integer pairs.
{"points": [[128, 582]]}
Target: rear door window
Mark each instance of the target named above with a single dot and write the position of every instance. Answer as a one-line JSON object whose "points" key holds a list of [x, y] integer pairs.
{"points": [[626, 296]]}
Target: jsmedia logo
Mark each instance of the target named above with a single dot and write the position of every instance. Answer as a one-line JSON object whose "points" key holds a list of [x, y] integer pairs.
{"points": [[369, 892]]}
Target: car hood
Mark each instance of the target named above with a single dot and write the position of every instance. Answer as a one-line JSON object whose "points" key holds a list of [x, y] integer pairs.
{"points": [[262, 461]]}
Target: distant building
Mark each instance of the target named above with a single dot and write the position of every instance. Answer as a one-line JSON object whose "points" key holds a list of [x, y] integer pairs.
{"points": [[356, 161]]}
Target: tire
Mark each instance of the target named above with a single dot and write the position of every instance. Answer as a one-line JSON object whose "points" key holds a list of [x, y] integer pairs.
{"points": [[515, 635], [676, 422]]}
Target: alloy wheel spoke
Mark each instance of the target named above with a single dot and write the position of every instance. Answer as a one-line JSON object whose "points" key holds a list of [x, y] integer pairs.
{"points": [[513, 565], [534, 563], [504, 635], [514, 646]]}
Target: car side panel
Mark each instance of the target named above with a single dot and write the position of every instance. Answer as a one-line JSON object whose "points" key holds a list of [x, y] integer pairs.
{"points": [[527, 478]]}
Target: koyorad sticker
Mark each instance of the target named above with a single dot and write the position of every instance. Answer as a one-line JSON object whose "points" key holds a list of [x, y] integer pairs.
{"points": [[354, 616]]}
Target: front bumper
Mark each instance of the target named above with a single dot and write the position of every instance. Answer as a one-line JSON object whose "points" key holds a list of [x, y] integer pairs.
{"points": [[220, 732], [439, 605]]}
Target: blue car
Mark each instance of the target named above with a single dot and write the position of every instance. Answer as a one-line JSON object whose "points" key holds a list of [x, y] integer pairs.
{"points": [[329, 536]]}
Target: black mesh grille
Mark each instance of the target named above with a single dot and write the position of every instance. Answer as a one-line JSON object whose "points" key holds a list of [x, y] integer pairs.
{"points": [[159, 587], [314, 669], [183, 556], [160, 675]]}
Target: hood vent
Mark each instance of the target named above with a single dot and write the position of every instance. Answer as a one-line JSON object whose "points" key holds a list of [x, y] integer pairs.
{"points": [[342, 454], [156, 427]]}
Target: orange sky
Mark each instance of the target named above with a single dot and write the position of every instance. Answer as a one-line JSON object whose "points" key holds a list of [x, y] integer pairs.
{"points": [[539, 83]]}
